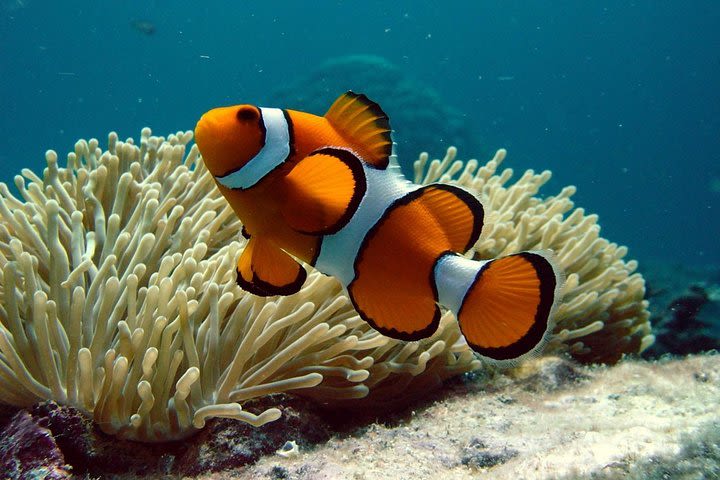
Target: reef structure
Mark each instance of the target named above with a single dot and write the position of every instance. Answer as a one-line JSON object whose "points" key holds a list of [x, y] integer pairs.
{"points": [[119, 297], [420, 117]]}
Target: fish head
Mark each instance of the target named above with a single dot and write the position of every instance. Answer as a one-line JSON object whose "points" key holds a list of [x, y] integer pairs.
{"points": [[228, 137]]}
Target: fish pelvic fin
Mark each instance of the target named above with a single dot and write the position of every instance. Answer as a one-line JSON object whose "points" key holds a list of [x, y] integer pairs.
{"points": [[266, 270], [504, 306]]}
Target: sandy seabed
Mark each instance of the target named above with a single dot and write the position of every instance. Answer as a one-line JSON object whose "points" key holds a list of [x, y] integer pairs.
{"points": [[546, 422]]}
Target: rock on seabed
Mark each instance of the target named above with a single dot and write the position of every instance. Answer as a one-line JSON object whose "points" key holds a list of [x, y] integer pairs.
{"points": [[29, 451]]}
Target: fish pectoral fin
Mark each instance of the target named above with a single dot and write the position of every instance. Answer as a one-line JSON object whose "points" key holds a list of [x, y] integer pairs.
{"points": [[323, 191], [266, 270], [365, 125]]}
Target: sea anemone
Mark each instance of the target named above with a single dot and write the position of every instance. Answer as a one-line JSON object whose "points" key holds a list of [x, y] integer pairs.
{"points": [[119, 295]]}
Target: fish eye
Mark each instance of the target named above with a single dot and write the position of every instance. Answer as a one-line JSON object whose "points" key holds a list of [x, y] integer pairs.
{"points": [[246, 113]]}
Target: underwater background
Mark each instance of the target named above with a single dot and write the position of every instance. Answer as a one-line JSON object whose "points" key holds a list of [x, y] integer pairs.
{"points": [[619, 98]]}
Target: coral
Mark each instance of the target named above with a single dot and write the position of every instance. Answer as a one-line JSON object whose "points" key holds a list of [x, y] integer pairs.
{"points": [[418, 114], [684, 307], [93, 454], [28, 450], [603, 314], [119, 298], [51, 437], [681, 328]]}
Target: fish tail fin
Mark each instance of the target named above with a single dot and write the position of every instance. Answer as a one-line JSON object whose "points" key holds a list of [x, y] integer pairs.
{"points": [[504, 305]]}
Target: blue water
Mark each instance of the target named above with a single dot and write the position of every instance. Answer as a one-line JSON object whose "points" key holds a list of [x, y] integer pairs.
{"points": [[619, 98]]}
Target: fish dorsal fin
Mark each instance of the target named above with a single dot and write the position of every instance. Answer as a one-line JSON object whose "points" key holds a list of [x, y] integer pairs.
{"points": [[264, 269], [323, 191], [364, 125]]}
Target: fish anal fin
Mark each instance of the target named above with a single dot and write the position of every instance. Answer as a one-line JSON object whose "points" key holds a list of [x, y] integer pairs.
{"points": [[323, 191], [266, 270], [364, 125]]}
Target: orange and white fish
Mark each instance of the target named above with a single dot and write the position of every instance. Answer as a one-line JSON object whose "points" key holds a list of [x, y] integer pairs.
{"points": [[323, 190]]}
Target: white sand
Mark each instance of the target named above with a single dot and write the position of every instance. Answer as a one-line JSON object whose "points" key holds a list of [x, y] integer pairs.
{"points": [[618, 416]]}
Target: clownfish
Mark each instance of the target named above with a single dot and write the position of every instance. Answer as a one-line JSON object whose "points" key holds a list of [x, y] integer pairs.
{"points": [[327, 191]]}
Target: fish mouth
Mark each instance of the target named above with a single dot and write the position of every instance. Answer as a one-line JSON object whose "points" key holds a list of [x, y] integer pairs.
{"points": [[199, 132], [204, 129], [204, 139]]}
